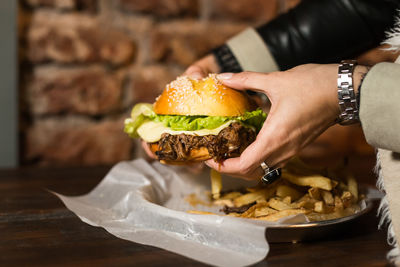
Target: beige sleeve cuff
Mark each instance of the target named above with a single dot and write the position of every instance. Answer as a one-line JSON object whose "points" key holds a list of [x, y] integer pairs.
{"points": [[251, 52], [380, 106]]}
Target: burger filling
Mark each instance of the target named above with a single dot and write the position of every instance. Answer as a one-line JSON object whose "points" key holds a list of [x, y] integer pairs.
{"points": [[230, 142], [177, 135]]}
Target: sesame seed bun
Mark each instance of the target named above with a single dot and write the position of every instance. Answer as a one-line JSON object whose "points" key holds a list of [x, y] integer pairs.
{"points": [[207, 97]]}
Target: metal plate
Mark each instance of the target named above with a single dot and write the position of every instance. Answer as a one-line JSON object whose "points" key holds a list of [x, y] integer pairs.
{"points": [[316, 230]]}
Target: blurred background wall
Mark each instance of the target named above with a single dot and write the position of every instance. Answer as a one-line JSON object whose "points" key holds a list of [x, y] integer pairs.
{"points": [[8, 89], [84, 63]]}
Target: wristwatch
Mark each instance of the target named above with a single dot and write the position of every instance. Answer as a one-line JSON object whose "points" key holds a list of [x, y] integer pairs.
{"points": [[349, 113]]}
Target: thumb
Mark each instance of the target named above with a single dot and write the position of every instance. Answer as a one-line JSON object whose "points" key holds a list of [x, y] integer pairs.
{"points": [[256, 81]]}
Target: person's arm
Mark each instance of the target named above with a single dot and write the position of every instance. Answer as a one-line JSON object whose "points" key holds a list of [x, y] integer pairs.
{"points": [[380, 106], [327, 31], [315, 31]]}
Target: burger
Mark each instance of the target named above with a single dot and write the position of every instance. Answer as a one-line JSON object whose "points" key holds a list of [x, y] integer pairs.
{"points": [[195, 120]]}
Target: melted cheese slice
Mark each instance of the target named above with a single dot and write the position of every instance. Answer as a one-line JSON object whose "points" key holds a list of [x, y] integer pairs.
{"points": [[151, 131]]}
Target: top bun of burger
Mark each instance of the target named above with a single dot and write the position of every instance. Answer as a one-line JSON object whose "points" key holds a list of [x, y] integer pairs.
{"points": [[207, 97]]}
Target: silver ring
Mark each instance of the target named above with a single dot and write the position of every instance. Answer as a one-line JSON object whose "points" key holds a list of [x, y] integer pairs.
{"points": [[264, 166]]}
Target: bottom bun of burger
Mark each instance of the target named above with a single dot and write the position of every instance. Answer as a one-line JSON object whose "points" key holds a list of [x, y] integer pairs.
{"points": [[184, 148]]}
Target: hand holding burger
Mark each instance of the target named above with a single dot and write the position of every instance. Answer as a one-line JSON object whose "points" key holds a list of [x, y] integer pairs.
{"points": [[304, 103]]}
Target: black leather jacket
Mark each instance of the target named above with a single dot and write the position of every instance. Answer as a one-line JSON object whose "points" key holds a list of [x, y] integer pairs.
{"points": [[322, 31]]}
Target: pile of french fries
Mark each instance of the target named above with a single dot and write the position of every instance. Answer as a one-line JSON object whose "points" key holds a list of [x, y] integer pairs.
{"points": [[317, 193]]}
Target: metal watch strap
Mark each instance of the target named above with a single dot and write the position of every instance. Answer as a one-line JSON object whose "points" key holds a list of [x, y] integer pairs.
{"points": [[349, 112]]}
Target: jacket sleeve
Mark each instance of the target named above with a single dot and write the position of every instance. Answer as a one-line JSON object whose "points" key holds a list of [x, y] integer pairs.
{"points": [[380, 106], [315, 31]]}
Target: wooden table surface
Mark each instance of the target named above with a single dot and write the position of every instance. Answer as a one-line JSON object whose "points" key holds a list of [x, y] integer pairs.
{"points": [[36, 229]]}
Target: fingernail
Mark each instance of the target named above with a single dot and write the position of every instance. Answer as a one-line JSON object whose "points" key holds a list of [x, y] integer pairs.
{"points": [[196, 75], [224, 76]]}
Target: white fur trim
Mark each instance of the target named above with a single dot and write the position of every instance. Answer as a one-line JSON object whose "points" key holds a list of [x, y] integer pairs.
{"points": [[393, 37], [385, 217], [393, 40], [378, 171]]}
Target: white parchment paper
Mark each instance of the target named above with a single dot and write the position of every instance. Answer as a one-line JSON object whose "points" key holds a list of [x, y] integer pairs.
{"points": [[144, 203]]}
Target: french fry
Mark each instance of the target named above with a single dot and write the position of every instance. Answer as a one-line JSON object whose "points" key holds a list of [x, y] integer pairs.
{"points": [[278, 204], [251, 211], [319, 207], [224, 202], [231, 195], [347, 199], [327, 197], [302, 190], [314, 193], [338, 204], [285, 190], [304, 202], [287, 200], [261, 200], [281, 214], [248, 198], [216, 184], [317, 181], [352, 187], [264, 212]]}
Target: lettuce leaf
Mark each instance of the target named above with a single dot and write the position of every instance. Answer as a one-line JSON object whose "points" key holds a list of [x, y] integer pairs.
{"points": [[253, 118], [190, 123], [139, 114], [144, 112]]}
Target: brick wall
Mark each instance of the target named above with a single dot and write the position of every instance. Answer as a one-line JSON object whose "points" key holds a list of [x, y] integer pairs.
{"points": [[84, 63]]}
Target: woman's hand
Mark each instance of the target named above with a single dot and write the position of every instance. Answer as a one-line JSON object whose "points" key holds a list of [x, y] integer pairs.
{"points": [[203, 67], [304, 103]]}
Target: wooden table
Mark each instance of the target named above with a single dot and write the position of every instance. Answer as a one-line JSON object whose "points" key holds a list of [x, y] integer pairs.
{"points": [[36, 229]]}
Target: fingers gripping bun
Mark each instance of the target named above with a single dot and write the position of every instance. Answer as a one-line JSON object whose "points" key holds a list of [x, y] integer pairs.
{"points": [[208, 97]]}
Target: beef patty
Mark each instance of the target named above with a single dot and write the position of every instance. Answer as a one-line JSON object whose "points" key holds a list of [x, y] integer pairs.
{"points": [[230, 142]]}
